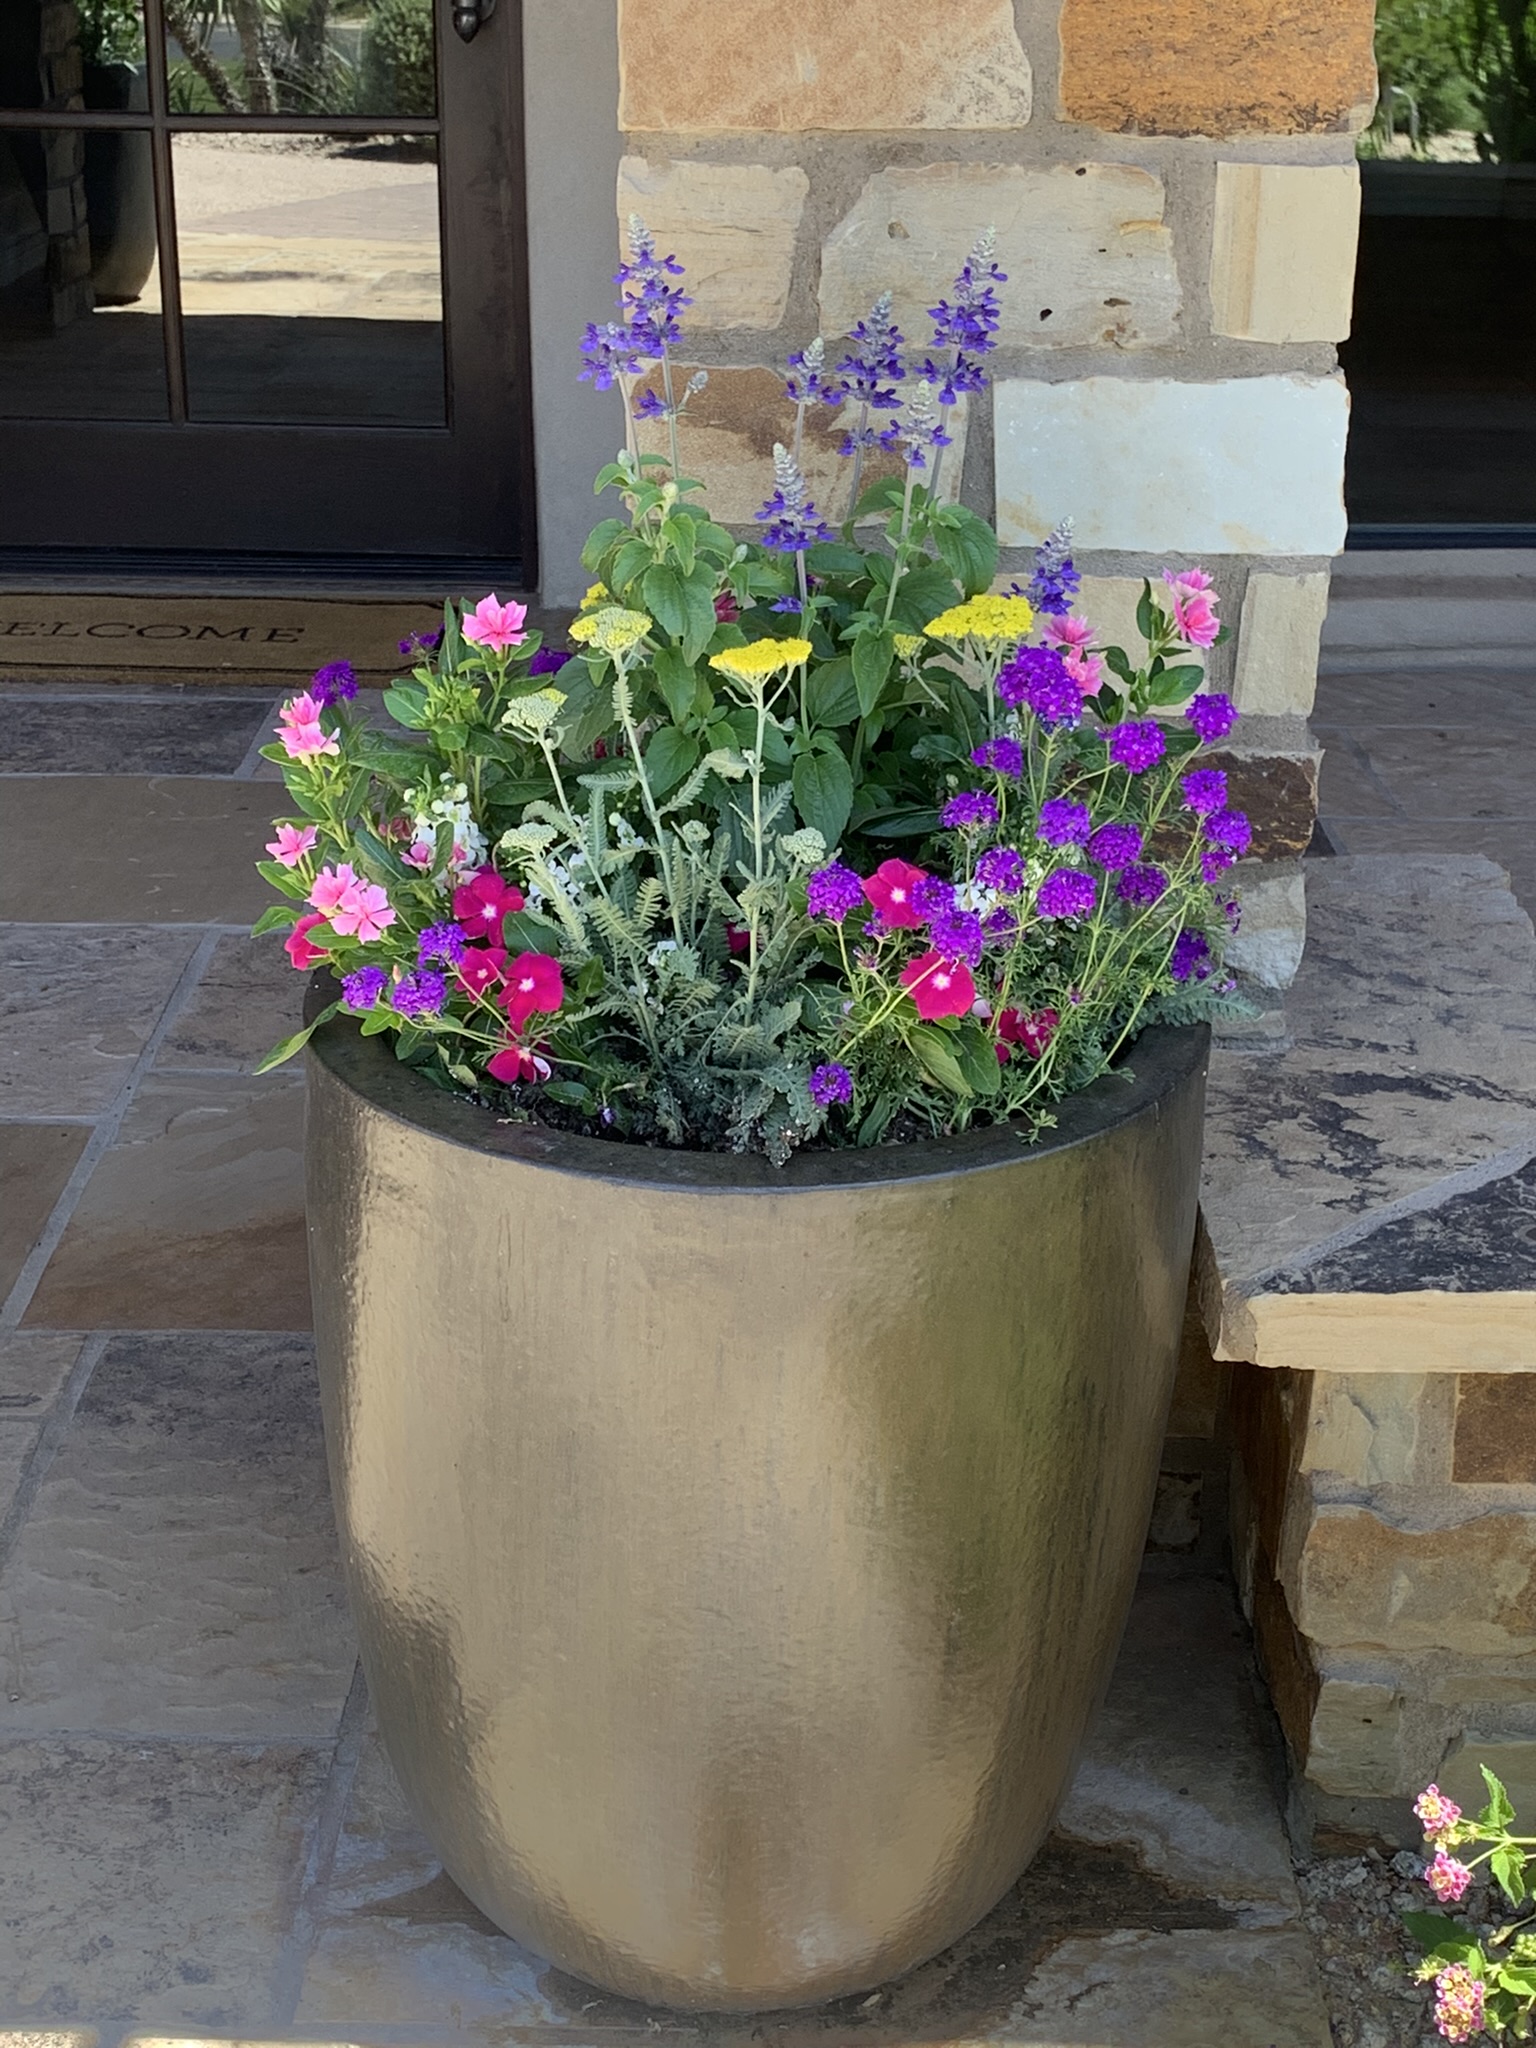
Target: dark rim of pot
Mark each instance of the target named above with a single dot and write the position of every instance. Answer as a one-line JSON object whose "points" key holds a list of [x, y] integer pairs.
{"points": [[1162, 1059]]}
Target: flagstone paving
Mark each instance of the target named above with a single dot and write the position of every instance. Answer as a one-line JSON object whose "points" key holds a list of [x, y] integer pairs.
{"points": [[200, 1839]]}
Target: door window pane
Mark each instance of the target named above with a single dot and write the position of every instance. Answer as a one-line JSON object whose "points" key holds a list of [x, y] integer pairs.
{"points": [[58, 55], [311, 281], [80, 333], [308, 57]]}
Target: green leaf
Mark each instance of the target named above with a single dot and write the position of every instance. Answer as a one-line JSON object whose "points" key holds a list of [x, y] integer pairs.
{"points": [[406, 704], [903, 824], [936, 1057], [630, 559], [662, 590], [669, 756], [376, 1023], [1498, 1813], [282, 878], [585, 716], [1519, 1978], [875, 1125], [921, 595], [823, 785], [375, 857], [873, 654], [832, 558], [1508, 1866], [1147, 620], [573, 1093], [884, 495], [1119, 664], [831, 697], [978, 1059], [1436, 1934], [677, 680], [700, 623], [287, 1047], [278, 918], [523, 932], [606, 534], [610, 473], [678, 533], [968, 549]]}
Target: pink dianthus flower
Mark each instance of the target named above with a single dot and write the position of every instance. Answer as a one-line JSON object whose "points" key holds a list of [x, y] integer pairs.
{"points": [[1072, 639], [300, 729], [297, 944], [292, 843], [496, 625], [329, 886], [1194, 606]]}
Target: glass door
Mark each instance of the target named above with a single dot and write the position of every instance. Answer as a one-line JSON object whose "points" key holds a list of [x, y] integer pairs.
{"points": [[261, 280]]}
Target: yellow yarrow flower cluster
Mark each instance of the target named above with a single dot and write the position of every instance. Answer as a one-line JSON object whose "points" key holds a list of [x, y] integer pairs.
{"points": [[596, 594], [760, 659], [988, 617], [908, 645], [613, 629]]}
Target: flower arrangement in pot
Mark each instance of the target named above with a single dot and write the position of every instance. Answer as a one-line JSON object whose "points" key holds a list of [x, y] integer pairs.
{"points": [[793, 1121]]}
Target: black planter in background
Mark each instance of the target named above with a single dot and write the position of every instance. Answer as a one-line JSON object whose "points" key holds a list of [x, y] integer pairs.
{"points": [[119, 188]]}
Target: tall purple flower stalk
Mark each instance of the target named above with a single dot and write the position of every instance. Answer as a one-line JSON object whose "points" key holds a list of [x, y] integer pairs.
{"points": [[967, 327], [651, 306], [1055, 579], [868, 375]]}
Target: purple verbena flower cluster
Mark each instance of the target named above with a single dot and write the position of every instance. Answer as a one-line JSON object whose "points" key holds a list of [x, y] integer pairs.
{"points": [[336, 681], [969, 810], [1037, 676], [833, 892], [1002, 754], [829, 1083]]}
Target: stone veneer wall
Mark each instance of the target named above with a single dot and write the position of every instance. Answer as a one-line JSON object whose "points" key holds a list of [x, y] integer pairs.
{"points": [[1176, 201]]}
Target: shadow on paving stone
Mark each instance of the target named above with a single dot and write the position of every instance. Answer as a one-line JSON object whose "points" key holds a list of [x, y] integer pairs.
{"points": [[182, 735]]}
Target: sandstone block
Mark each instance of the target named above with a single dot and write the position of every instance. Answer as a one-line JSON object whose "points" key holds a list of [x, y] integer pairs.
{"points": [[1373, 1740], [1283, 250], [1248, 465], [731, 225], [1088, 257], [1281, 627], [702, 66], [1267, 945], [1495, 1429], [1358, 1579], [727, 434], [1513, 1763], [1218, 67], [1278, 790], [1378, 1429]]}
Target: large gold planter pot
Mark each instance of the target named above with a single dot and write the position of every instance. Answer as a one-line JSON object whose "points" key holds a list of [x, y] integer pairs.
{"points": [[739, 1555]]}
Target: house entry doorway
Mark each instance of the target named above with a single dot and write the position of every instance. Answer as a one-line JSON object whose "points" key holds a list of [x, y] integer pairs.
{"points": [[261, 283]]}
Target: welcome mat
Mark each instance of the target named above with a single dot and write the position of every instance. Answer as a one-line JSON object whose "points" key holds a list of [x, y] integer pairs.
{"points": [[216, 637]]}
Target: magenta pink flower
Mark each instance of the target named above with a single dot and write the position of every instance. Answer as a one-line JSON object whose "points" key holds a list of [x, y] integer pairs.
{"points": [[1194, 606], [482, 968], [420, 854], [1072, 639], [297, 945], [939, 987], [534, 983], [1447, 1878], [300, 729], [481, 901], [1435, 1811], [363, 912], [1458, 2003], [329, 886], [292, 843], [1031, 1029], [516, 1063], [890, 888], [496, 625]]}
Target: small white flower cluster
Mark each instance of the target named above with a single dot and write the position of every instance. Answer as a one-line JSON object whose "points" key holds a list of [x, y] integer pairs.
{"points": [[449, 806]]}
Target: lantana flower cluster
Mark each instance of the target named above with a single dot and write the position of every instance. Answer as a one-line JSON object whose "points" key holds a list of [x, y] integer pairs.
{"points": [[1484, 1975]]}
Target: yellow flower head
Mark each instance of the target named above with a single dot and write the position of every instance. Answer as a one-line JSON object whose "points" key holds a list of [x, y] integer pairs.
{"points": [[908, 645], [988, 617], [612, 629], [596, 594], [761, 659]]}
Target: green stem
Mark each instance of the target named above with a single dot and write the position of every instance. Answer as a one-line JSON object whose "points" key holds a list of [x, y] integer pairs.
{"points": [[898, 566]]}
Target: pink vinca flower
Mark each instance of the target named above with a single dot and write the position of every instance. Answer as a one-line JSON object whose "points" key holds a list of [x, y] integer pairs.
{"points": [[496, 625], [297, 945], [363, 912], [1447, 1878], [482, 968], [890, 888], [481, 901], [939, 987], [300, 729], [516, 1063], [292, 843], [1033, 1030], [329, 886], [534, 983], [1073, 640], [1435, 1811], [1194, 606]]}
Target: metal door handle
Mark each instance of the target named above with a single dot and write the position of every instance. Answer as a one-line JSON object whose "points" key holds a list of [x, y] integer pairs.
{"points": [[469, 16]]}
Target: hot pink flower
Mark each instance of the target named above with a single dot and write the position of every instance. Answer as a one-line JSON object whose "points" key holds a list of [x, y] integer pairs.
{"points": [[939, 987], [727, 611], [301, 731], [1435, 1811], [297, 945], [1032, 1029], [516, 1063], [481, 901], [329, 886], [363, 912], [1447, 1878], [292, 843], [890, 888], [534, 983], [420, 854], [737, 938], [482, 968], [1194, 606], [495, 625]]}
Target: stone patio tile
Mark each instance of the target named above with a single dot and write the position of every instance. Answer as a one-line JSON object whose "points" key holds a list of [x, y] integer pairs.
{"points": [[194, 1219], [16, 1441], [75, 1010], [1511, 844], [249, 997], [35, 1162], [34, 1365], [1136, 1988], [1470, 697], [1452, 773], [205, 734], [1177, 1764], [1347, 787], [157, 849], [177, 1573], [49, 2037], [148, 1883]]}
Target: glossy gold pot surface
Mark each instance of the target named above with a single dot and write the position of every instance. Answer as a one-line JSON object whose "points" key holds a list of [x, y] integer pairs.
{"points": [[739, 1555]]}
